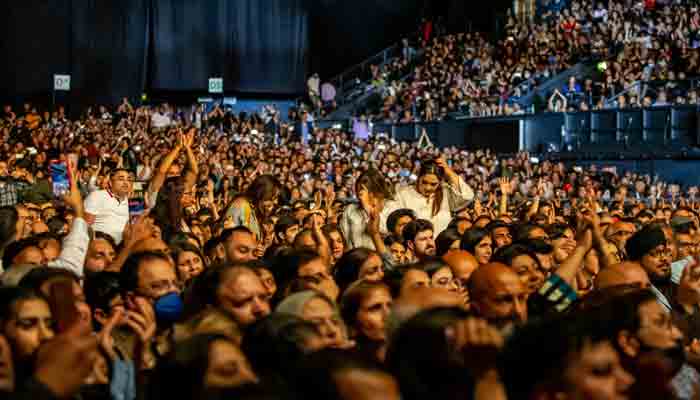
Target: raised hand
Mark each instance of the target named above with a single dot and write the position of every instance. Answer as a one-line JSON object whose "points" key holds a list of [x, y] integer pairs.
{"points": [[504, 185], [105, 338], [63, 363], [141, 318]]}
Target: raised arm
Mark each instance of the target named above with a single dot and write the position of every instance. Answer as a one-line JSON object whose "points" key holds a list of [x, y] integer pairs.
{"points": [[76, 243], [159, 177], [192, 168]]}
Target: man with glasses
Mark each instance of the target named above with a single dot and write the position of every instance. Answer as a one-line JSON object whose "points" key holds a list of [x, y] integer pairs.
{"points": [[649, 248], [108, 210]]}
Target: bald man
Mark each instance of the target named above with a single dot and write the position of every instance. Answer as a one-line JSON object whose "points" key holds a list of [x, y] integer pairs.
{"points": [[463, 264], [498, 295], [625, 273]]}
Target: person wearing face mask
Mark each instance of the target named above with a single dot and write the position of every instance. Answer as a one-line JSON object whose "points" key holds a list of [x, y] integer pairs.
{"points": [[438, 192], [151, 293]]}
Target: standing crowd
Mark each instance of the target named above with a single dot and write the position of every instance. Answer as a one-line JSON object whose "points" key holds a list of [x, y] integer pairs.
{"points": [[214, 255]]}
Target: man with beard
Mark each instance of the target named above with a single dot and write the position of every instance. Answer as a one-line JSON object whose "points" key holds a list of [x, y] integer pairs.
{"points": [[418, 236], [650, 346], [649, 248]]}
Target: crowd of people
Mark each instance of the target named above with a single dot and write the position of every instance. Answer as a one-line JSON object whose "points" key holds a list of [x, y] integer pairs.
{"points": [[214, 255], [650, 42], [651, 48]]}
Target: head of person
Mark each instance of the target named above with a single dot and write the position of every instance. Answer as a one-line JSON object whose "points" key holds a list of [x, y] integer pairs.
{"points": [[649, 247], [101, 252], [544, 252], [42, 280], [104, 297], [240, 244], [500, 234], [365, 307], [50, 245], [263, 194], [498, 295], [477, 241], [398, 219], [277, 343], [262, 269], [189, 261], [563, 240], [530, 232], [318, 309], [440, 274], [26, 323], [627, 273], [581, 361], [423, 360], [215, 251], [397, 248], [619, 232], [463, 265], [461, 223], [343, 375], [524, 263], [235, 289], [199, 363], [418, 236], [449, 239], [640, 326], [358, 264], [152, 276], [121, 182], [24, 251], [686, 245], [336, 241], [406, 279], [305, 240], [429, 184], [286, 229], [376, 186]]}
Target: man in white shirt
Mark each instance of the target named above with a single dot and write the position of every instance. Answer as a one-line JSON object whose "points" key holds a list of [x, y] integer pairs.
{"points": [[108, 210], [160, 118]]}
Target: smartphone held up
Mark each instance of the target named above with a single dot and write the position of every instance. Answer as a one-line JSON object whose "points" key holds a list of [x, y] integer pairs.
{"points": [[60, 177]]}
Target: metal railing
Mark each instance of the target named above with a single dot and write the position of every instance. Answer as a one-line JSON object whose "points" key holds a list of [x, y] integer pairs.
{"points": [[643, 88], [355, 81]]}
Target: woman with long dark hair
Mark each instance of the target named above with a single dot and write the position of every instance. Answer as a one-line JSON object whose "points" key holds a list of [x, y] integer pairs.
{"points": [[438, 192], [255, 205], [375, 195]]}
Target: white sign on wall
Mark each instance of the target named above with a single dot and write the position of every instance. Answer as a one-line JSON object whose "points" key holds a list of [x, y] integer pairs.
{"points": [[61, 82], [216, 85]]}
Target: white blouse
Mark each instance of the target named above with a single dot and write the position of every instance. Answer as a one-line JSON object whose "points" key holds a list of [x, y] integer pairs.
{"points": [[453, 199], [353, 225]]}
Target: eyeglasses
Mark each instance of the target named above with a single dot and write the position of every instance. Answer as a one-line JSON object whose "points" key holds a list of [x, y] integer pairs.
{"points": [[661, 252]]}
